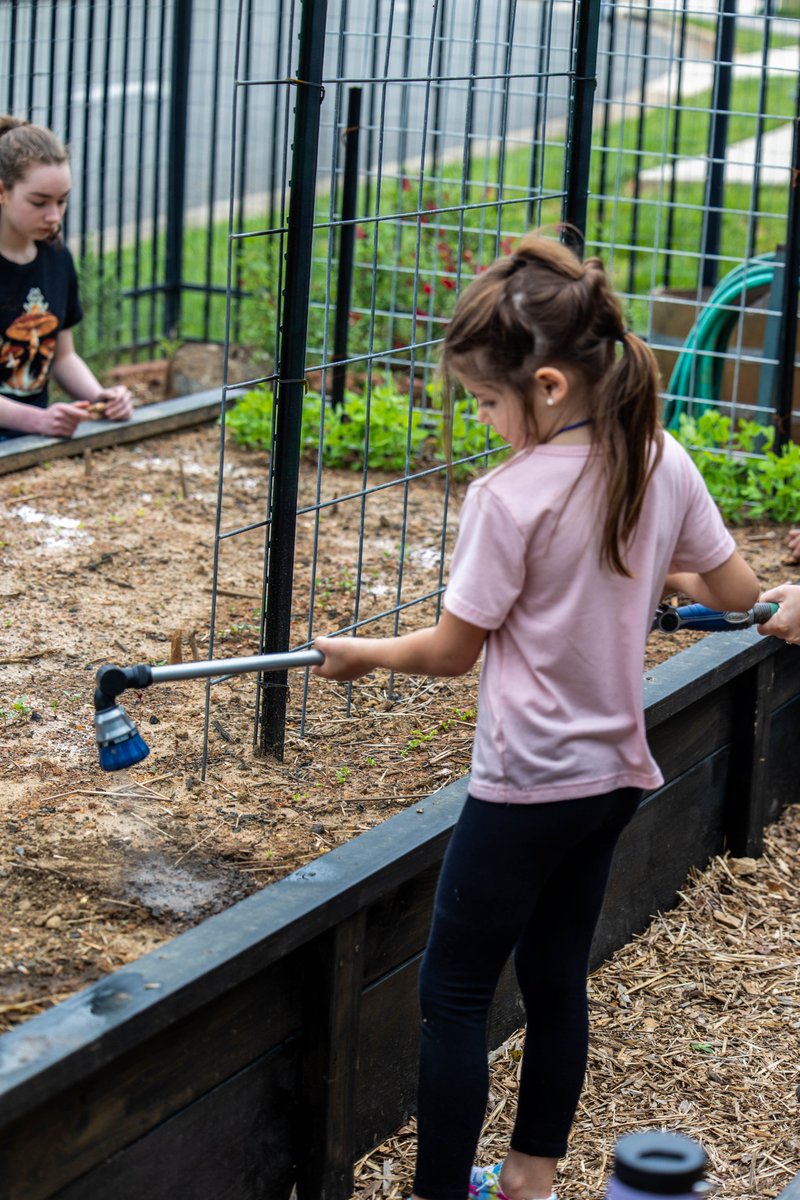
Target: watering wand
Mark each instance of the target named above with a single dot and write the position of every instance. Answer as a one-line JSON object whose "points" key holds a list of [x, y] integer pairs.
{"points": [[119, 742], [697, 616]]}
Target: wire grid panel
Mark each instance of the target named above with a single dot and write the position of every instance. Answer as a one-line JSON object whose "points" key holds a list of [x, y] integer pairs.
{"points": [[461, 130], [691, 191]]}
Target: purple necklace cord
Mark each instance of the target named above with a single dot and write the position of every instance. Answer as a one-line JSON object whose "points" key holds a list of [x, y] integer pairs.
{"points": [[574, 425]]}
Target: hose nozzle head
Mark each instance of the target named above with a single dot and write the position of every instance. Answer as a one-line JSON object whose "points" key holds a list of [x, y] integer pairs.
{"points": [[119, 743]]}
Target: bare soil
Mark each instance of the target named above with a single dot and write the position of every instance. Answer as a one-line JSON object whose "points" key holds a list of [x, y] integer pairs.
{"points": [[109, 559]]}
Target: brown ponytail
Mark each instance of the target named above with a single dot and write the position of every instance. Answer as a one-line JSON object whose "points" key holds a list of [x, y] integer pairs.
{"points": [[543, 306]]}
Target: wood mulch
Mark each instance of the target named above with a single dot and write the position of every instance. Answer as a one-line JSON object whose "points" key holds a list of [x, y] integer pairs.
{"points": [[695, 1029]]}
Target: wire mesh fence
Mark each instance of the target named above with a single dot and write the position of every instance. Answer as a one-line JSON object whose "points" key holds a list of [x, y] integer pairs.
{"points": [[694, 198], [442, 134]]}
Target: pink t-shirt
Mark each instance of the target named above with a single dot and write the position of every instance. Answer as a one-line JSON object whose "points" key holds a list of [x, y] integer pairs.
{"points": [[560, 706]]}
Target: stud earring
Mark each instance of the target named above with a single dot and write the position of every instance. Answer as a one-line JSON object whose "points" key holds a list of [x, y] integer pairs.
{"points": [[549, 401]]}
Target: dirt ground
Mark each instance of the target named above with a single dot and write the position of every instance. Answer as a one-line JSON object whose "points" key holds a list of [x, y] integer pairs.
{"points": [[109, 558]]}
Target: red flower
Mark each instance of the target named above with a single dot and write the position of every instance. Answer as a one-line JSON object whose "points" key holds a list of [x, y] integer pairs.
{"points": [[448, 283], [406, 184], [361, 232], [427, 289]]}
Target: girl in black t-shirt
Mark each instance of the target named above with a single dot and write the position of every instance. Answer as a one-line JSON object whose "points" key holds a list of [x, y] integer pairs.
{"points": [[39, 302]]}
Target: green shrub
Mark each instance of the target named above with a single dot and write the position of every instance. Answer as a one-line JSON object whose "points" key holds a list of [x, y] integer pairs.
{"points": [[394, 436], [743, 474]]}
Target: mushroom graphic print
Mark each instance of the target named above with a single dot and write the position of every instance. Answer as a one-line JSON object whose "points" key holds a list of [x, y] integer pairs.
{"points": [[28, 348]]}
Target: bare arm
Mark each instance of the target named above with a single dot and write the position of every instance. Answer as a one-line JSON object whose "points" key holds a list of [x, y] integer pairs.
{"points": [[75, 377], [450, 648], [730, 587], [59, 420]]}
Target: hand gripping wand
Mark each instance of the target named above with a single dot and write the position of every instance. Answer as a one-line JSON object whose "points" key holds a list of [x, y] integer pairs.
{"points": [[697, 616], [119, 742]]}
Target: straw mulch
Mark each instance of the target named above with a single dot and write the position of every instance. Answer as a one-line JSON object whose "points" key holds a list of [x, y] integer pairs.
{"points": [[695, 1029]]}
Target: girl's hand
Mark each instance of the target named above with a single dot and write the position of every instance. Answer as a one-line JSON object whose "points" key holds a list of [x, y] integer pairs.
{"points": [[118, 401], [793, 542], [346, 658], [60, 420]]}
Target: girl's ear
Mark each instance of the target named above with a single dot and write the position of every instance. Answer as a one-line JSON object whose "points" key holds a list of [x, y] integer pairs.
{"points": [[553, 383]]}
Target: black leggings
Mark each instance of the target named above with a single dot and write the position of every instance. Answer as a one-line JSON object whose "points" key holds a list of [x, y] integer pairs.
{"points": [[528, 878]]}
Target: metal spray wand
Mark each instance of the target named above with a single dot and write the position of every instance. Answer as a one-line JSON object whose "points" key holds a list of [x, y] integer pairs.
{"points": [[119, 742]]}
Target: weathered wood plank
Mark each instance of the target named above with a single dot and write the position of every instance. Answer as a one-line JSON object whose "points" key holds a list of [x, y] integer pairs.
{"points": [[232, 1144], [398, 924], [694, 732], [786, 682], [74, 1128], [693, 673], [678, 827], [746, 802], [333, 968], [782, 784]]}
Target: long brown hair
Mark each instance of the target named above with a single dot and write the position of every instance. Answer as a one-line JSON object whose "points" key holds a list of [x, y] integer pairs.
{"points": [[543, 306], [23, 146]]}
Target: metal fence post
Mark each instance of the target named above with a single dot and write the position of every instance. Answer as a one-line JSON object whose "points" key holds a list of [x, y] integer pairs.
{"points": [[176, 178], [347, 237], [788, 342], [291, 378], [581, 109], [718, 142]]}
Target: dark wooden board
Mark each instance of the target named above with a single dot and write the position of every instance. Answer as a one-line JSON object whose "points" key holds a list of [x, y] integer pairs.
{"points": [[235, 1143], [678, 827], [694, 732], [71, 1130]]}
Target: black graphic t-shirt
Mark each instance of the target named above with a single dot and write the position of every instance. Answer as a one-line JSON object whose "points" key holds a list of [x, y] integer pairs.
{"points": [[37, 300]]}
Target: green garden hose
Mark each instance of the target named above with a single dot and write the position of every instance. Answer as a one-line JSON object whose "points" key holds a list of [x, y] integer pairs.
{"points": [[697, 374]]}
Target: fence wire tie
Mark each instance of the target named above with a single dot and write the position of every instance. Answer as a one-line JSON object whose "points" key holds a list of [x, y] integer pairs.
{"points": [[306, 83], [302, 380]]}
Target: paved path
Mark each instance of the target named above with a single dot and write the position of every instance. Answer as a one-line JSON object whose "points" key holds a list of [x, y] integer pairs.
{"points": [[740, 158]]}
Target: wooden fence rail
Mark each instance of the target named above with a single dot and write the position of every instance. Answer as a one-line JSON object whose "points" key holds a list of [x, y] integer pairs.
{"points": [[275, 1043]]}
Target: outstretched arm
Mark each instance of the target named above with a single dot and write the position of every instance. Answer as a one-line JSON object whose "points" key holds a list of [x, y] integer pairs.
{"points": [[59, 420], [732, 587], [450, 648]]}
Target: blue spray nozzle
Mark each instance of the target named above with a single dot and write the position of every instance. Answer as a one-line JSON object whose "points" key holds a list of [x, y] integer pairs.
{"points": [[119, 742]]}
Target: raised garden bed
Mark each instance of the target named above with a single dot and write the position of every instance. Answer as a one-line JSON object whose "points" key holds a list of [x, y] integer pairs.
{"points": [[275, 1043]]}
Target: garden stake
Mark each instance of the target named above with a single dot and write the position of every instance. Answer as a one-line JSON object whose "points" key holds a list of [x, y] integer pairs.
{"points": [[119, 742]]}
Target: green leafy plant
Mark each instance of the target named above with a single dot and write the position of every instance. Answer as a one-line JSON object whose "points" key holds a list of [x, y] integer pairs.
{"points": [[747, 479], [378, 425]]}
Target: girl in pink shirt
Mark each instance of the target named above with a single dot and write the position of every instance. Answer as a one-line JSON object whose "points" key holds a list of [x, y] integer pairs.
{"points": [[563, 553]]}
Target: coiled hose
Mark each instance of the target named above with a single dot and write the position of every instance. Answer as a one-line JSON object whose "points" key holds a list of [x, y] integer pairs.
{"points": [[697, 374]]}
